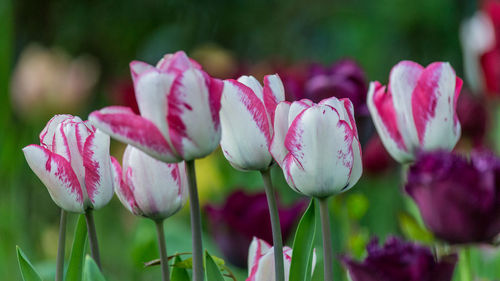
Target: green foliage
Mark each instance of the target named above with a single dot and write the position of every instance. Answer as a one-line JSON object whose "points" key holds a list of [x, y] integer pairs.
{"points": [[179, 273], [27, 269], [300, 268], [413, 230], [75, 266], [212, 272], [91, 271]]}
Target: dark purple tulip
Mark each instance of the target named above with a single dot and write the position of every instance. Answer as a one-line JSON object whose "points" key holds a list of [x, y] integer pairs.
{"points": [[244, 216], [376, 159], [343, 79], [397, 261], [457, 197]]}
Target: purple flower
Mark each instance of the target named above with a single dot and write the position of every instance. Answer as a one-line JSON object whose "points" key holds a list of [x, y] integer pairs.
{"points": [[343, 79], [473, 115], [398, 260], [457, 197], [243, 216]]}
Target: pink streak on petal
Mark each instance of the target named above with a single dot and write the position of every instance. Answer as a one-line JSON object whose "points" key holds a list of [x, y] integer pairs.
{"points": [[92, 175], [385, 108], [124, 188], [215, 87]]}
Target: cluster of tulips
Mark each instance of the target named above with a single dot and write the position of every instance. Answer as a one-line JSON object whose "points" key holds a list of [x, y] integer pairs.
{"points": [[185, 114]]}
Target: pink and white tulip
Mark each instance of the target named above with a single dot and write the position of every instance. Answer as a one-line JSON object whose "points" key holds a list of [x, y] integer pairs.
{"points": [[317, 146], [179, 105], [261, 261], [246, 116], [73, 162], [148, 187], [418, 109]]}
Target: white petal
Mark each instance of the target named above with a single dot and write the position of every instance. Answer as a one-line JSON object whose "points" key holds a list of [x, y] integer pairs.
{"points": [[245, 129], [253, 84], [277, 148]]}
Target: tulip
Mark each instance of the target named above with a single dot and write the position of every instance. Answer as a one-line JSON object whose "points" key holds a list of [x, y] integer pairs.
{"points": [[247, 112], [479, 37], [375, 158], [417, 110], [73, 162], [243, 216], [457, 198], [246, 116], [179, 105], [148, 187], [397, 260], [318, 148], [474, 118], [261, 263], [153, 189]]}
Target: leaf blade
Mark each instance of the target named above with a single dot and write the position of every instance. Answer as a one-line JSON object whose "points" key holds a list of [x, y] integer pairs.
{"points": [[28, 271], [301, 265], [75, 266]]}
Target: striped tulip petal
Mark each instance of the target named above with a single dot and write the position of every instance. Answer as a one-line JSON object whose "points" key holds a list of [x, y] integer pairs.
{"points": [[321, 155], [123, 124], [277, 148], [274, 93], [57, 175], [246, 133]]}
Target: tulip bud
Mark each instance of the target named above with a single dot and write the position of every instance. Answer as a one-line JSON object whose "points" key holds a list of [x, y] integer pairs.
{"points": [[457, 198], [73, 162], [247, 111], [397, 261], [261, 261], [417, 110], [179, 105], [317, 146], [148, 187]]}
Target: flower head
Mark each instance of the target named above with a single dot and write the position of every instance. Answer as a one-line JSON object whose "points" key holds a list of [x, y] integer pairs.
{"points": [[179, 105], [397, 260], [457, 197], [417, 109], [73, 162], [148, 187]]}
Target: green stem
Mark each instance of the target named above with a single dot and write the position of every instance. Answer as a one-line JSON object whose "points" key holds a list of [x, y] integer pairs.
{"points": [[94, 245], [61, 247], [327, 238], [275, 225], [162, 246], [195, 223], [464, 266]]}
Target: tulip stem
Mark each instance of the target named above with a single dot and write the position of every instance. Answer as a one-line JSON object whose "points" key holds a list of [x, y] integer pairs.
{"points": [[327, 238], [61, 247], [94, 246], [195, 223], [162, 246], [275, 225], [465, 265]]}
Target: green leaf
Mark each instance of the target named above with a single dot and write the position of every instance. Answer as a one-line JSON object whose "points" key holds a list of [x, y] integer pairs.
{"points": [[212, 272], [91, 271], [75, 267], [178, 273], [300, 268], [27, 269]]}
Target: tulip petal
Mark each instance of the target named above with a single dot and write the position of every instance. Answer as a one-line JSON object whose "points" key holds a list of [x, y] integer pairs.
{"points": [[56, 174], [158, 187], [194, 128], [434, 103], [122, 190], [137, 68], [274, 92], [246, 134], [277, 148], [176, 63], [384, 117], [402, 82], [151, 90], [296, 108], [98, 173], [257, 249], [47, 134], [314, 169], [123, 124], [253, 84]]}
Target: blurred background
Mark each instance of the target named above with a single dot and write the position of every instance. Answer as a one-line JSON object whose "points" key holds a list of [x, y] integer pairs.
{"points": [[72, 56]]}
